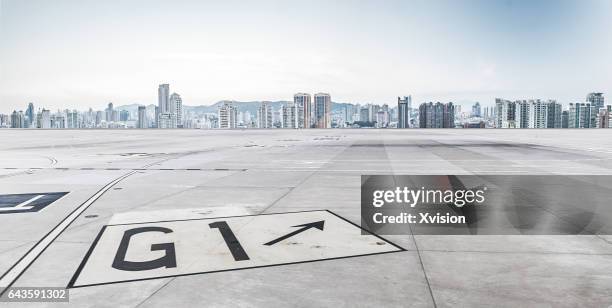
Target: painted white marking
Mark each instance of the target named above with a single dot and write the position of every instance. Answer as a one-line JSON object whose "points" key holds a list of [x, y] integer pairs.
{"points": [[21, 206], [199, 247], [18, 268]]}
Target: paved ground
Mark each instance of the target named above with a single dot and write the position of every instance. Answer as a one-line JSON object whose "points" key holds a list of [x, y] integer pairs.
{"points": [[116, 176]]}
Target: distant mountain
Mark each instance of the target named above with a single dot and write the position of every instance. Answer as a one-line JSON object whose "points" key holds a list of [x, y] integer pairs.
{"points": [[242, 107], [133, 108]]}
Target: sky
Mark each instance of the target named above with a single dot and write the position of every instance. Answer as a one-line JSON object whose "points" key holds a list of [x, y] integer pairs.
{"points": [[86, 53]]}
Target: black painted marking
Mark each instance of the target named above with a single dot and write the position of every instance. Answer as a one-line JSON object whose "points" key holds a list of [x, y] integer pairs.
{"points": [[167, 261], [25, 203], [87, 255], [230, 240], [99, 236], [317, 224]]}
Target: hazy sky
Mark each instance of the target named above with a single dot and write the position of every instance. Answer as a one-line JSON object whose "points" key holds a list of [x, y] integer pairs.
{"points": [[77, 54]]}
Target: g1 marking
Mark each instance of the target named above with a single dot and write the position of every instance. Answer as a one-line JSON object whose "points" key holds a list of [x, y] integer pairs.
{"points": [[149, 250]]}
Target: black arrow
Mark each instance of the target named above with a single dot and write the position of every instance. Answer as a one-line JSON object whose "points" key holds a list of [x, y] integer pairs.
{"points": [[317, 224]]}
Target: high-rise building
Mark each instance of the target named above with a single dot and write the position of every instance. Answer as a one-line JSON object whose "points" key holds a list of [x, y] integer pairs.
{"points": [[109, 113], [264, 116], [163, 113], [17, 119], [382, 119], [565, 119], [5, 120], [533, 113], [404, 106], [303, 107], [142, 117], [72, 119], [58, 120], [348, 113], [596, 100], [124, 115], [99, 118], [537, 114], [476, 110], [555, 115], [436, 115], [448, 118], [163, 97], [166, 120], [522, 113], [289, 118], [176, 107], [582, 115], [45, 119], [228, 116], [30, 115], [322, 110], [603, 118]]}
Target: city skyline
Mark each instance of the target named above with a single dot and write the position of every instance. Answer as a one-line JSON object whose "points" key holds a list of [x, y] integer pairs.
{"points": [[318, 111], [86, 54]]}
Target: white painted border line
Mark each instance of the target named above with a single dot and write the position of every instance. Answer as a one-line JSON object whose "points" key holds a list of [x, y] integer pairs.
{"points": [[10, 276]]}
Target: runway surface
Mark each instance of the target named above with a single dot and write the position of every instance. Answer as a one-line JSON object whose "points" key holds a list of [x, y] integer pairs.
{"points": [[193, 181]]}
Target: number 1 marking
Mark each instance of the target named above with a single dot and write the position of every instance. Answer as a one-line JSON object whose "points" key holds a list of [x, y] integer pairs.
{"points": [[230, 240]]}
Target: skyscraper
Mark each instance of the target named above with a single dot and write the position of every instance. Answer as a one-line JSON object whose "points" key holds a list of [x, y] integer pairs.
{"points": [[364, 114], [303, 107], [603, 118], [163, 93], [522, 113], [176, 107], [124, 115], [565, 119], [322, 110], [382, 119], [436, 115], [582, 115], [164, 116], [228, 116], [166, 120], [348, 113], [596, 100], [476, 111], [45, 118], [264, 116], [538, 114], [72, 119], [109, 113], [142, 117], [404, 107], [289, 118], [30, 115], [17, 119], [555, 115]]}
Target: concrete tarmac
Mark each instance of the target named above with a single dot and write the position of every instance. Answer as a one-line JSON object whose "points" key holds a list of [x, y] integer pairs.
{"points": [[125, 177]]}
